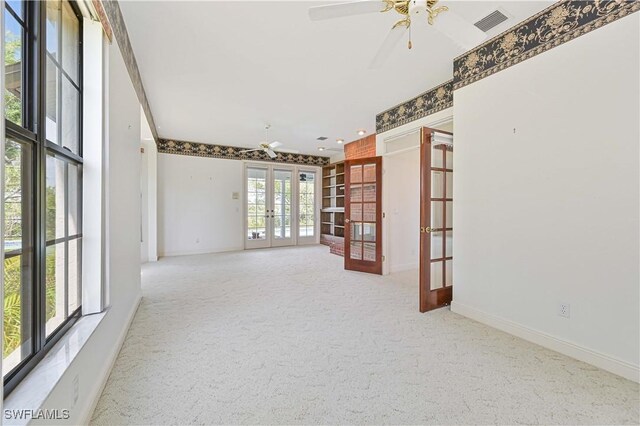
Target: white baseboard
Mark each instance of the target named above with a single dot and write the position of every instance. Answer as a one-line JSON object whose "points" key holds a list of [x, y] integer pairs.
{"points": [[196, 252], [96, 391], [605, 362], [403, 267]]}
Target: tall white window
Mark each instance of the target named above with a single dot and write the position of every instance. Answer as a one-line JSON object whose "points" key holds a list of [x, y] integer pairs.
{"points": [[306, 203]]}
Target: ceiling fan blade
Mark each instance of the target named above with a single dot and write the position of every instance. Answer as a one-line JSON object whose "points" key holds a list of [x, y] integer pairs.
{"points": [[250, 150], [275, 144], [331, 11], [462, 32], [394, 36], [270, 153], [289, 151]]}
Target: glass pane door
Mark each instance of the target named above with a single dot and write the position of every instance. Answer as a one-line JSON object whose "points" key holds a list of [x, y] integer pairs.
{"points": [[363, 215], [258, 214], [436, 217], [270, 194], [282, 213]]}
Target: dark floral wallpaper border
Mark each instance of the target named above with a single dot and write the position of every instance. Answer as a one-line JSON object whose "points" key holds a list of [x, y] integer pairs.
{"points": [[558, 24], [195, 149], [116, 21], [429, 102]]}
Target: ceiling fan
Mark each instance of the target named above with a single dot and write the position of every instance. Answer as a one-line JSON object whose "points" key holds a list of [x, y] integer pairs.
{"points": [[269, 148], [463, 33]]}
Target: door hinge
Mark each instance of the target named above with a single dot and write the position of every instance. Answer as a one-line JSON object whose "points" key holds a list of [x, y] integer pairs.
{"points": [[383, 258], [384, 215]]}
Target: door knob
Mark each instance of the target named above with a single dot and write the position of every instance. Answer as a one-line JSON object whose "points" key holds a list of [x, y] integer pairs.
{"points": [[426, 230], [347, 221]]}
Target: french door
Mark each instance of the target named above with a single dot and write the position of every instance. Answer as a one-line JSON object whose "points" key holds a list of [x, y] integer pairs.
{"points": [[436, 219], [363, 215], [269, 207]]}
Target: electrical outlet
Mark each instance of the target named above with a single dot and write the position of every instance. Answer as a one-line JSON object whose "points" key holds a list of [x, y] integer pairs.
{"points": [[564, 310]]}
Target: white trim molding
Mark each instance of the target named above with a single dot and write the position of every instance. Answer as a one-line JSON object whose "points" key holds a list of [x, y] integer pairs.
{"points": [[95, 392], [605, 362]]}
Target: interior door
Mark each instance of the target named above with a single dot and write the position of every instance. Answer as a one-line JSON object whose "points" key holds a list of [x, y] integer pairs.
{"points": [[436, 219], [363, 215]]}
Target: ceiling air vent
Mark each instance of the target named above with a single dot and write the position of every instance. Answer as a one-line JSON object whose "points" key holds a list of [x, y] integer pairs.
{"points": [[322, 138], [491, 20]]}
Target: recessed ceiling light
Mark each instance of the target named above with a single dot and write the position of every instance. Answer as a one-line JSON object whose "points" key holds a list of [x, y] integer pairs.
{"points": [[340, 140], [321, 148], [361, 132]]}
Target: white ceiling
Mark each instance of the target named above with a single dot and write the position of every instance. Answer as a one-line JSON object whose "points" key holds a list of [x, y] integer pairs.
{"points": [[217, 71]]}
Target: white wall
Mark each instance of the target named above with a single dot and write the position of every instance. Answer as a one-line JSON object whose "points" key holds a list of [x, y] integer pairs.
{"points": [[196, 212], [93, 363], [144, 204], [401, 204], [149, 191], [547, 197]]}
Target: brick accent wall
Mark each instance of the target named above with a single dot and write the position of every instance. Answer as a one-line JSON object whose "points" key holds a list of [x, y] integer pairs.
{"points": [[336, 244], [362, 148]]}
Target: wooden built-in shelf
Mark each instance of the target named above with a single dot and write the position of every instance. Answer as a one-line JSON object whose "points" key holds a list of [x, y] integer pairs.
{"points": [[332, 212]]}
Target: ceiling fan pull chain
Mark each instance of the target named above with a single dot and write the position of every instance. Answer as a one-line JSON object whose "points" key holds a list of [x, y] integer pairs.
{"points": [[409, 45]]}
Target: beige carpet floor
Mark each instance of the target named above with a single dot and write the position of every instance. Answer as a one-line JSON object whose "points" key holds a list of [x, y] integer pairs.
{"points": [[286, 336]]}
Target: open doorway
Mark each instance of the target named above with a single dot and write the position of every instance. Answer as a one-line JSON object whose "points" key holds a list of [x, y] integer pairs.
{"points": [[406, 244]]}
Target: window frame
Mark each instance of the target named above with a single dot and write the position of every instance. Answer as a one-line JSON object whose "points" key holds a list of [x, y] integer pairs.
{"points": [[33, 133]]}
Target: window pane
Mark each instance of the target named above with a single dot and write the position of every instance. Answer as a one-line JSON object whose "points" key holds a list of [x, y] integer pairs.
{"points": [[437, 154], [53, 27], [55, 198], [369, 252], [18, 266], [436, 276], [369, 173], [70, 116], [356, 174], [74, 192], [436, 245], [70, 37], [355, 250], [55, 287], [13, 69], [53, 74], [16, 5], [74, 274], [17, 196]]}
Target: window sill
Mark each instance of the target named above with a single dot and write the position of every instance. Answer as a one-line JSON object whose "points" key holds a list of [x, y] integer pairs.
{"points": [[34, 389]]}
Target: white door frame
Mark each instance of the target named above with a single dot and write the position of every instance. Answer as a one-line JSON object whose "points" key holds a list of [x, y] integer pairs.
{"points": [[438, 119], [295, 239]]}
